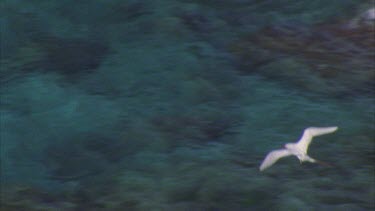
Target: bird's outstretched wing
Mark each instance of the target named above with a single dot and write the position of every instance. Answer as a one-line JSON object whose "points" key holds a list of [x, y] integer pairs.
{"points": [[272, 157], [310, 132]]}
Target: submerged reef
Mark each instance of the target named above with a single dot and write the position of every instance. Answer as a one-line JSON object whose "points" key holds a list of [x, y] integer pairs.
{"points": [[67, 57], [335, 58]]}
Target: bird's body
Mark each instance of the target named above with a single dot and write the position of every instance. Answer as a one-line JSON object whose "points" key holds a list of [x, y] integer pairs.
{"points": [[299, 149]]}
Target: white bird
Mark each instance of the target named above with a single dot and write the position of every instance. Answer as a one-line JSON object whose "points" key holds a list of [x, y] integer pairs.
{"points": [[298, 149]]}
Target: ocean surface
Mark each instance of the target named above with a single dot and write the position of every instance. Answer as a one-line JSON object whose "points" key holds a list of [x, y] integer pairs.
{"points": [[174, 104]]}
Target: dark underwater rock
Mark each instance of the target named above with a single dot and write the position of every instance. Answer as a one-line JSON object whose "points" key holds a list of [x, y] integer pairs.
{"points": [[325, 58], [69, 161], [31, 198], [72, 56]]}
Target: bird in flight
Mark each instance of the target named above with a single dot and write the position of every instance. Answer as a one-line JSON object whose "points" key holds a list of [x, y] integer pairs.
{"points": [[298, 149]]}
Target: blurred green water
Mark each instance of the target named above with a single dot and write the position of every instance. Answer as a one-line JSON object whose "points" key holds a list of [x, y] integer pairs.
{"points": [[178, 114]]}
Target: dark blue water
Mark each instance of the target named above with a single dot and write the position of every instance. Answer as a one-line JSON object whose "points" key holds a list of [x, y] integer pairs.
{"points": [[173, 105]]}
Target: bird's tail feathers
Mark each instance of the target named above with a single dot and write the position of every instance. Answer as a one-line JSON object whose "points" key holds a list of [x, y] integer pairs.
{"points": [[323, 163]]}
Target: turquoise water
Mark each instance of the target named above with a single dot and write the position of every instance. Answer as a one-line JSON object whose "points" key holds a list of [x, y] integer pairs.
{"points": [[173, 105]]}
